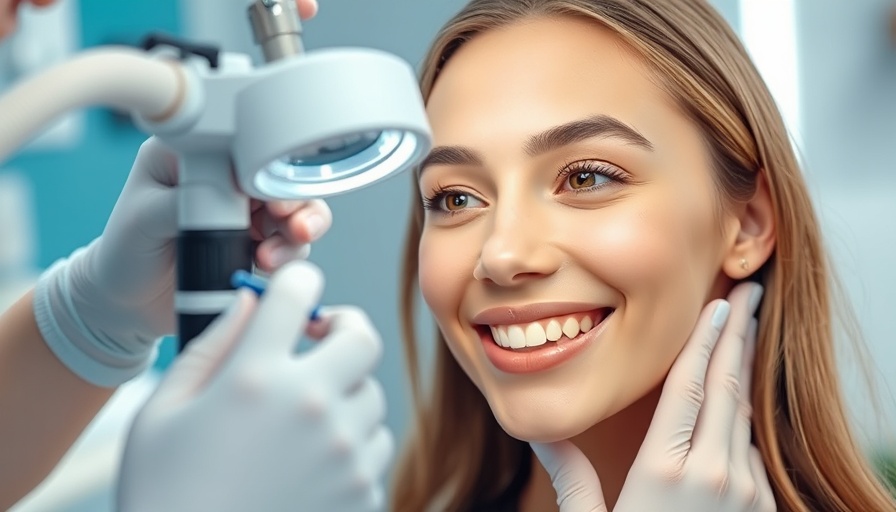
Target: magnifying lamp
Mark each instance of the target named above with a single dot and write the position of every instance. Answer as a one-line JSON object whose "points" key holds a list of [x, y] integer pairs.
{"points": [[300, 126]]}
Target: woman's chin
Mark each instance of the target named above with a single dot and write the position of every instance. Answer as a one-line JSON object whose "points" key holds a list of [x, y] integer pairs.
{"points": [[545, 413], [537, 427]]}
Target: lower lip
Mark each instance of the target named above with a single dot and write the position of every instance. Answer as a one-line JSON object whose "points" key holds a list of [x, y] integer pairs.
{"points": [[539, 359]]}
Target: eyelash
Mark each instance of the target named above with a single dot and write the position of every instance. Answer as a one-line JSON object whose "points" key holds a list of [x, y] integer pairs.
{"points": [[434, 200], [590, 166]]}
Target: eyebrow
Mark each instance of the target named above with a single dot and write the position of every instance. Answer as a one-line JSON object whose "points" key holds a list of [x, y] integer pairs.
{"points": [[553, 138]]}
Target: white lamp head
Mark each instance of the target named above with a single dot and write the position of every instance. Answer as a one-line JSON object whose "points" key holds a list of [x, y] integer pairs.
{"points": [[318, 124], [327, 122]]}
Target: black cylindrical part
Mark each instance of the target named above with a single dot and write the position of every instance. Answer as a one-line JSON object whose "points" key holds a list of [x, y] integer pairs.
{"points": [[190, 325], [206, 259]]}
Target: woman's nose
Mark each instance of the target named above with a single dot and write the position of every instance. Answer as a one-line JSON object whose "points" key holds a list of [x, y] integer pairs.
{"points": [[517, 249]]}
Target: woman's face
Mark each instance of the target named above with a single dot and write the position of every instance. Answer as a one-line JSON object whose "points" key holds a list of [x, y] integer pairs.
{"points": [[571, 236]]}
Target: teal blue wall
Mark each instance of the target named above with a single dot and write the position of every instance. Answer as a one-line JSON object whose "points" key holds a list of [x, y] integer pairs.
{"points": [[76, 189]]}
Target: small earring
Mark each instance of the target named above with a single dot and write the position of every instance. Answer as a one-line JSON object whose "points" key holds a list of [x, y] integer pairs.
{"points": [[743, 263]]}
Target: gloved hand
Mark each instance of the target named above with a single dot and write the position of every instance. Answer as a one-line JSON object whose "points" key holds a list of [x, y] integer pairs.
{"points": [[697, 454], [102, 309], [241, 422]]}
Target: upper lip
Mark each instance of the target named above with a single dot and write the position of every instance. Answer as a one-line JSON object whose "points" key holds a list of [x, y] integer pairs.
{"points": [[505, 315]]}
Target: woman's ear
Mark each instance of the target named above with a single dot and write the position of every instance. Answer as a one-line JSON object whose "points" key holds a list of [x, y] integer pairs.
{"points": [[755, 235]]}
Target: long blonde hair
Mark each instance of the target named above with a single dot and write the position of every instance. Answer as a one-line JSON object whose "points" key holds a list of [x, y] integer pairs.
{"points": [[460, 459]]}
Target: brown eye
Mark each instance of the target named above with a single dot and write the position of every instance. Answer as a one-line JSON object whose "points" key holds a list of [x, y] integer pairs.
{"points": [[582, 180], [456, 201]]}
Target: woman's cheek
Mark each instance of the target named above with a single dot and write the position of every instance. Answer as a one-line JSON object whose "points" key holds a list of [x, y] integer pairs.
{"points": [[634, 250], [441, 272]]}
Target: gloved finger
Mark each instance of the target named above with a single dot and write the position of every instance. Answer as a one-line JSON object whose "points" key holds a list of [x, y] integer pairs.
{"points": [[143, 237], [276, 251], [367, 406], [349, 352], [307, 8], [263, 224], [741, 442], [572, 475], [282, 314], [676, 413], [319, 328], [765, 498], [163, 205], [301, 222], [716, 421], [154, 175], [369, 464], [199, 362], [376, 454], [376, 499], [298, 221], [158, 162]]}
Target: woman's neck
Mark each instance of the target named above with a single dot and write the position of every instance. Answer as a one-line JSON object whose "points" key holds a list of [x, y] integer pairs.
{"points": [[611, 446]]}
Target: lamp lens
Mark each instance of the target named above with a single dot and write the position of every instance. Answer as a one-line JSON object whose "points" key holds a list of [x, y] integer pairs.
{"points": [[334, 150], [340, 164]]}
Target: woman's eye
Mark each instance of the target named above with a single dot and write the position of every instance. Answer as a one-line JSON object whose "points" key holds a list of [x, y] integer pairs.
{"points": [[454, 201], [451, 201], [585, 179], [581, 180]]}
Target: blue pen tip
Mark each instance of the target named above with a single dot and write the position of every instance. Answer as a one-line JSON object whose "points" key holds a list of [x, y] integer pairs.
{"points": [[244, 279], [238, 278]]}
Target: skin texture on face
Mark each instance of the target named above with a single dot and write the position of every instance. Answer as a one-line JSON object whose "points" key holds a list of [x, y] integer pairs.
{"points": [[606, 219]]}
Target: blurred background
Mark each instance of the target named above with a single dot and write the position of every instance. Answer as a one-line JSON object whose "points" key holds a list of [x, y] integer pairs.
{"points": [[830, 64]]}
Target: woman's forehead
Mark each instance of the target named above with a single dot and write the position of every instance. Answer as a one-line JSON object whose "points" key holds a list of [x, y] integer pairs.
{"points": [[509, 84]]}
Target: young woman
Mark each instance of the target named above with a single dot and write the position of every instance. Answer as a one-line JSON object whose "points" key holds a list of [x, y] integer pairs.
{"points": [[603, 171]]}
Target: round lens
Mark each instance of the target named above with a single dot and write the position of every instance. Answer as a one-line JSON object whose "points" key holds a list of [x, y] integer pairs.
{"points": [[338, 165], [332, 151]]}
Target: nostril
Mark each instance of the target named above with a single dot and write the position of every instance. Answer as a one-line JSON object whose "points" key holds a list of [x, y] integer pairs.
{"points": [[511, 280], [509, 268], [525, 276]]}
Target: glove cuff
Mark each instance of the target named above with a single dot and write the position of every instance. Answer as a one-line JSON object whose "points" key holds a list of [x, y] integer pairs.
{"points": [[93, 354]]}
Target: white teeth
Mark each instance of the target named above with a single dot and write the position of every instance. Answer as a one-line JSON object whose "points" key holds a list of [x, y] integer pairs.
{"points": [[500, 336], [517, 336], [571, 328], [535, 335], [553, 332], [585, 325], [505, 340], [538, 333]]}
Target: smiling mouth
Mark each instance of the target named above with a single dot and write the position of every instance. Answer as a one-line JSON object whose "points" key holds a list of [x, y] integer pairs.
{"points": [[530, 336]]}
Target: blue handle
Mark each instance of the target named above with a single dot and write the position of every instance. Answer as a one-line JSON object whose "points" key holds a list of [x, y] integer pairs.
{"points": [[243, 279]]}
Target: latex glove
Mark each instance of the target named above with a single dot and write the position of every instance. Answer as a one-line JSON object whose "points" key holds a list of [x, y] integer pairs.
{"points": [[102, 309], [697, 454], [242, 422]]}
